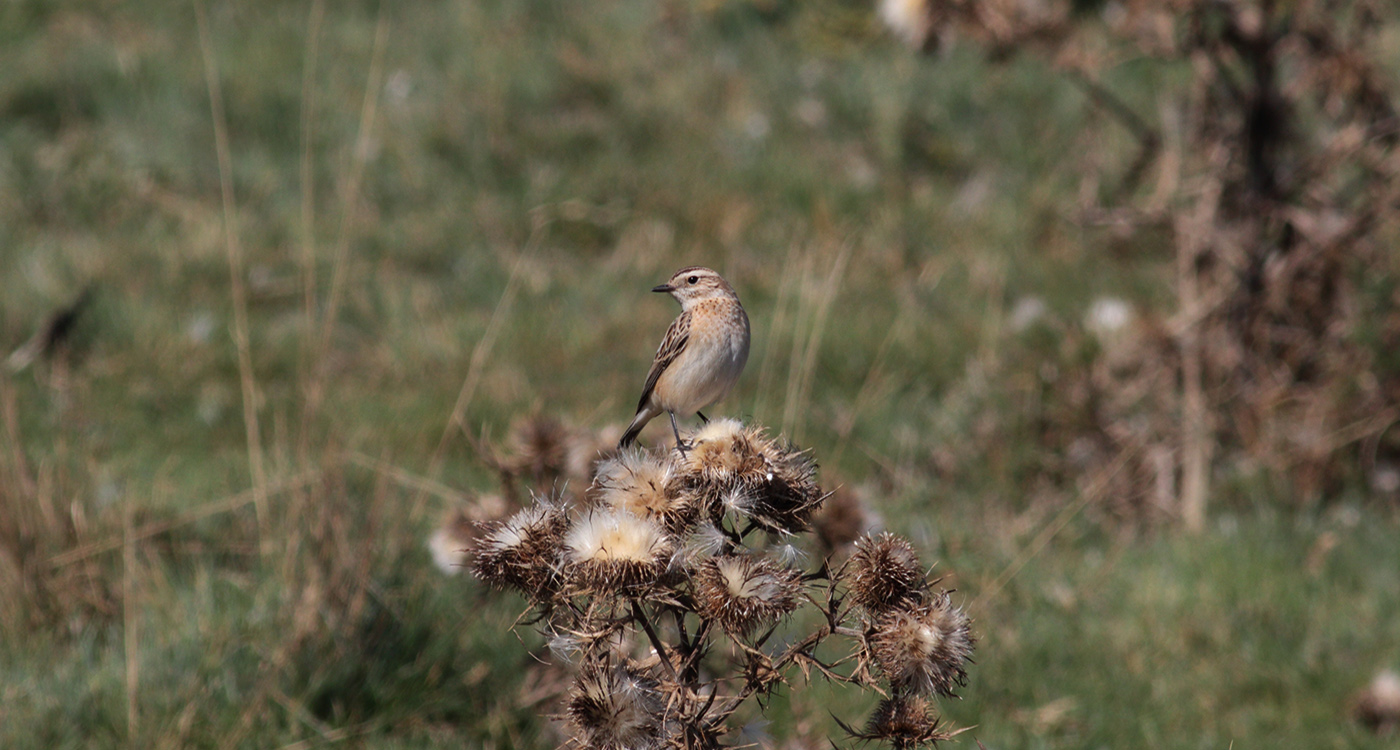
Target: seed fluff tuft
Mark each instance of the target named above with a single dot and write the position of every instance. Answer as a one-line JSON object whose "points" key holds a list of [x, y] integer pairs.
{"points": [[609, 550], [705, 541]]}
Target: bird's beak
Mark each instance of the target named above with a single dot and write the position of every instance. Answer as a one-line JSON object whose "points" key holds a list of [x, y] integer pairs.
{"points": [[663, 288]]}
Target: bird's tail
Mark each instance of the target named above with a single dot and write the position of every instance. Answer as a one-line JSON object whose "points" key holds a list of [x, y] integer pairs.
{"points": [[644, 415]]}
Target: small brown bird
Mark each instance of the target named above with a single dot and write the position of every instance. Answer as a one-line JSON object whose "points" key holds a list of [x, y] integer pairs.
{"points": [[702, 355]]}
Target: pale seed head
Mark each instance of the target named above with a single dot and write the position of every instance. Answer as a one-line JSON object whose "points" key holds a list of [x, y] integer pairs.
{"points": [[641, 484], [720, 451], [1377, 706], [610, 550], [451, 542]]}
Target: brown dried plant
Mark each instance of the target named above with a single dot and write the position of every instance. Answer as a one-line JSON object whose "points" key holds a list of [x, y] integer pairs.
{"points": [[1278, 181], [666, 585]]}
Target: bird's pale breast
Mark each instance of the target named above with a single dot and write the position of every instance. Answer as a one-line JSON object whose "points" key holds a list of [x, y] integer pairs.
{"points": [[711, 362]]}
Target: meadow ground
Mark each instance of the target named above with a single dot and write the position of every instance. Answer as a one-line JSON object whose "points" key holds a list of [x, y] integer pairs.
{"points": [[473, 242]]}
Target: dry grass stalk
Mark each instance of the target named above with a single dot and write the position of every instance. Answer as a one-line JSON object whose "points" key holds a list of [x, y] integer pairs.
{"points": [[34, 527], [234, 251], [482, 349], [1196, 428]]}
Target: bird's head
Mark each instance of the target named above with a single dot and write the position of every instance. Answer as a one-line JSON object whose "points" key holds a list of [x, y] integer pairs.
{"points": [[696, 284]]}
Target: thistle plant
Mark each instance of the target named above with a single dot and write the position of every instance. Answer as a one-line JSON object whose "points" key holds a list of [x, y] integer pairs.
{"points": [[672, 586]]}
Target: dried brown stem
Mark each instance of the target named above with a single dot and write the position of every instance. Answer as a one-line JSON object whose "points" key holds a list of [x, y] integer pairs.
{"points": [[661, 652]]}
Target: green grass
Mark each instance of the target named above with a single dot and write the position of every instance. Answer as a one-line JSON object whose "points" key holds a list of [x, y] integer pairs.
{"points": [[1190, 643], [584, 151]]}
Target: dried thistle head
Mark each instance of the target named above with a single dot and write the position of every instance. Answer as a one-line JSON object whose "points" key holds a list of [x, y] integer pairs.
{"points": [[609, 551], [904, 721], [791, 494], [643, 485], [616, 707], [1377, 706], [519, 551], [843, 519], [450, 543], [721, 451], [741, 592], [922, 648], [739, 469], [586, 450], [883, 572], [538, 447]]}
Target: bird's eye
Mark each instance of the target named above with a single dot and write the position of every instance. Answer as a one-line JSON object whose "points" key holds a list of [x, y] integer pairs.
{"points": [[692, 279]]}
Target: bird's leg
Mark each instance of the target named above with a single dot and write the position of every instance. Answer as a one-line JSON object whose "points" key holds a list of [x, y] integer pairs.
{"points": [[680, 444], [702, 417]]}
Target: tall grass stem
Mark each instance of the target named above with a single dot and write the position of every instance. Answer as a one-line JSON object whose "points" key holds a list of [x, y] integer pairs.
{"points": [[234, 251]]}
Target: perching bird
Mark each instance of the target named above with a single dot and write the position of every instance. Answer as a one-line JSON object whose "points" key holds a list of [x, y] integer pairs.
{"points": [[702, 354]]}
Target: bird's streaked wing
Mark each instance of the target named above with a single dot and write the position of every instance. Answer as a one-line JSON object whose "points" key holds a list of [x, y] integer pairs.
{"points": [[671, 347]]}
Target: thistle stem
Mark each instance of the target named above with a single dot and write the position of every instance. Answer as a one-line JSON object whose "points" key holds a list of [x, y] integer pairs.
{"points": [[679, 616], [656, 643], [690, 668]]}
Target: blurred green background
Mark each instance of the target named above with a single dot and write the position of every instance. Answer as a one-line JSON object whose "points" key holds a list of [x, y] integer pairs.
{"points": [[461, 205]]}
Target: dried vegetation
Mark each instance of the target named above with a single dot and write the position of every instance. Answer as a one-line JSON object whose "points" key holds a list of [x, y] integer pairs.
{"points": [[1275, 174], [670, 584]]}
